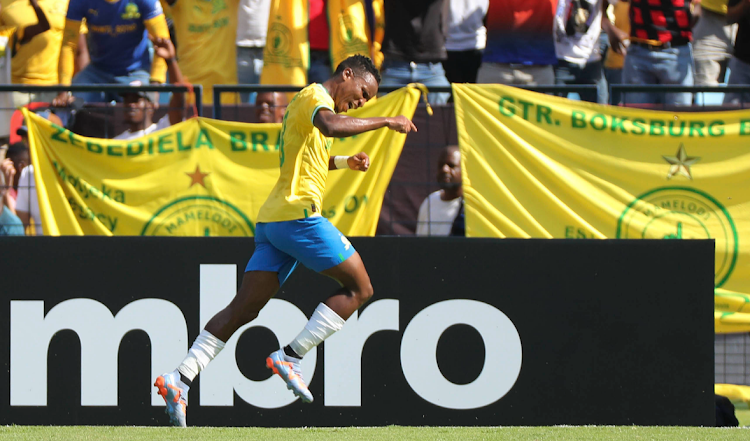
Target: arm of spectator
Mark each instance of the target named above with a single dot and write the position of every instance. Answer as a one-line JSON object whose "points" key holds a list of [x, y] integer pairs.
{"points": [[617, 37], [560, 15], [82, 58], [157, 27], [164, 48], [697, 11], [8, 170], [737, 10], [68, 50], [42, 25], [332, 125]]}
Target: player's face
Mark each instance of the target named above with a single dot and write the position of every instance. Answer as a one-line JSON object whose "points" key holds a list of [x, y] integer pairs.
{"points": [[355, 91], [449, 169]]}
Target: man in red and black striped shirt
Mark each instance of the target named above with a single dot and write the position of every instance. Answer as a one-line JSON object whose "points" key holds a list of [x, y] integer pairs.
{"points": [[659, 51]]}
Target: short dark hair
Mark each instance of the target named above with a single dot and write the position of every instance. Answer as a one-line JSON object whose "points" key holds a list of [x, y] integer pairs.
{"points": [[16, 149], [360, 65]]}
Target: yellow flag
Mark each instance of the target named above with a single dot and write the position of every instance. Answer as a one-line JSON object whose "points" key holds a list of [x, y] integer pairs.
{"points": [[347, 24], [541, 166], [201, 177], [286, 57]]}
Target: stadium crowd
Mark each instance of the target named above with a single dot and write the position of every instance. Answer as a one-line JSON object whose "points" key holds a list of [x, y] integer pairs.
{"points": [[434, 42]]}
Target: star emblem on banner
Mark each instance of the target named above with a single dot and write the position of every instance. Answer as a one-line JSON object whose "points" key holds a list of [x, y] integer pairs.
{"points": [[680, 163], [197, 177]]}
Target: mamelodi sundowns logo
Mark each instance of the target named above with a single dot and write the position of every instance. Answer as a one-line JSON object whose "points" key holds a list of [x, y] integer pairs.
{"points": [[683, 213], [199, 216]]}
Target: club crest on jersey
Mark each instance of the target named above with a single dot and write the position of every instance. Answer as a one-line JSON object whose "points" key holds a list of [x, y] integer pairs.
{"points": [[131, 12]]}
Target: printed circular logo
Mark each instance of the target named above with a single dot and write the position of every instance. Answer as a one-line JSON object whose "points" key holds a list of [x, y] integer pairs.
{"points": [[279, 37], [199, 216], [683, 213]]}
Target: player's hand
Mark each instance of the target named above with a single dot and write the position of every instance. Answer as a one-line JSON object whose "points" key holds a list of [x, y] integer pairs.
{"points": [[401, 124], [360, 162]]}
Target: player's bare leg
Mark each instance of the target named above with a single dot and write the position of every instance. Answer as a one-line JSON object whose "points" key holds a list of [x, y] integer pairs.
{"points": [[258, 287], [328, 318], [356, 288], [256, 290]]}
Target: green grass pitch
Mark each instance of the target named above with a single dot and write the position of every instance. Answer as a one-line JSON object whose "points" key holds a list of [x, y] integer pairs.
{"points": [[78, 433]]}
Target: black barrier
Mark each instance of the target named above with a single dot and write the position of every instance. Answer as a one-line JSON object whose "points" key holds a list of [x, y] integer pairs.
{"points": [[559, 90], [460, 332]]}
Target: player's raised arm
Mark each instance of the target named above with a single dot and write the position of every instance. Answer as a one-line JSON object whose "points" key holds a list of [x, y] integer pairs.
{"points": [[353, 84]]}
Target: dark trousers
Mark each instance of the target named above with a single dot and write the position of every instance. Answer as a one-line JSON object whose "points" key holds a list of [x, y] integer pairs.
{"points": [[462, 67], [590, 73]]}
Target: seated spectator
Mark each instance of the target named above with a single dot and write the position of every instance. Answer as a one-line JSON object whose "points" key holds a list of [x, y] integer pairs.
{"points": [[16, 159], [739, 66], [139, 107], [713, 39], [578, 25], [466, 40], [414, 45], [270, 107], [118, 45], [10, 224], [442, 213], [520, 46], [659, 50]]}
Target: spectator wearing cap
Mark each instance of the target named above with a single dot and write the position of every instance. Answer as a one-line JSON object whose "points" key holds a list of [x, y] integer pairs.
{"points": [[139, 106], [713, 40], [739, 66], [578, 25], [414, 45], [466, 39], [10, 224], [520, 46], [118, 45], [659, 51]]}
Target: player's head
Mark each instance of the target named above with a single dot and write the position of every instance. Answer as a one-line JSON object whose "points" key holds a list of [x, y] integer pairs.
{"points": [[449, 168], [138, 107], [270, 107], [357, 82]]}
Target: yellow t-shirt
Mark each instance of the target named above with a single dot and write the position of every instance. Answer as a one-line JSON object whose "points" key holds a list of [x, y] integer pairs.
{"points": [[303, 155], [206, 32], [718, 6], [36, 61]]}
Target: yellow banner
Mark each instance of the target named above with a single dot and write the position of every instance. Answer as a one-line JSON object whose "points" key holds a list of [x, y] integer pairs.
{"points": [[541, 166], [201, 177]]}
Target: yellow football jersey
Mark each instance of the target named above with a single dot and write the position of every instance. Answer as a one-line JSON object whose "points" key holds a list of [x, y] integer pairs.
{"points": [[303, 156], [206, 34], [36, 61]]}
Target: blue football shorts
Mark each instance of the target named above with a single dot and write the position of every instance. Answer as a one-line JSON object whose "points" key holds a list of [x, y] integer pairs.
{"points": [[313, 241]]}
